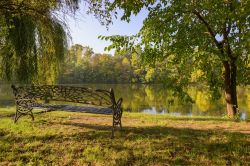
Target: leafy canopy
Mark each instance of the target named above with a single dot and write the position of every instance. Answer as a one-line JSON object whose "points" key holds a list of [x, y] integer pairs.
{"points": [[192, 35], [31, 32], [33, 36]]}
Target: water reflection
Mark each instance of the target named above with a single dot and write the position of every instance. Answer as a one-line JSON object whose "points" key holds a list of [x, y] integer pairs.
{"points": [[155, 99]]}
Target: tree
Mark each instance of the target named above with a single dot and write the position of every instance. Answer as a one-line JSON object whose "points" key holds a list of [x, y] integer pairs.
{"points": [[212, 36], [35, 31], [31, 32]]}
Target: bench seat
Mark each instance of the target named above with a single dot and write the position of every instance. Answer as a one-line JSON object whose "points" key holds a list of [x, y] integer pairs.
{"points": [[72, 108]]}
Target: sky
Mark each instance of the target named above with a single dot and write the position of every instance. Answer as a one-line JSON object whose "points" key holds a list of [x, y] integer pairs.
{"points": [[85, 29]]}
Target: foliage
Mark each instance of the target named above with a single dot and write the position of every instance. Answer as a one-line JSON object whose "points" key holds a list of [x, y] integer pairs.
{"points": [[33, 37], [82, 65], [184, 38], [211, 36], [32, 32]]}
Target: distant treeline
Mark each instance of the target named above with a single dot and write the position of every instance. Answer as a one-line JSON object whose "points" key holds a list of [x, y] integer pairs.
{"points": [[82, 65]]}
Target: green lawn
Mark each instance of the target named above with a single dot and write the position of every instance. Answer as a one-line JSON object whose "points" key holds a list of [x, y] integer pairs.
{"points": [[65, 138]]}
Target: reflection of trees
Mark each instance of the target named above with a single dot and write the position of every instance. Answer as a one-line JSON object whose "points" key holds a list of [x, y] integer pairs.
{"points": [[138, 97], [204, 105], [202, 101], [150, 93], [248, 102], [244, 96], [6, 96], [5, 92]]}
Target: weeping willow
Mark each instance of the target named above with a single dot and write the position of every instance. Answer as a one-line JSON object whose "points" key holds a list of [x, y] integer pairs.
{"points": [[32, 38]]}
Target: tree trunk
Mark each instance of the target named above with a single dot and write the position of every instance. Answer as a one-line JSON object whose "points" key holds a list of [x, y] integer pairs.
{"points": [[230, 88]]}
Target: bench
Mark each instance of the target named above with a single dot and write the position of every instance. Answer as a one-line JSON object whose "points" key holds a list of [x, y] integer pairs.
{"points": [[96, 101]]}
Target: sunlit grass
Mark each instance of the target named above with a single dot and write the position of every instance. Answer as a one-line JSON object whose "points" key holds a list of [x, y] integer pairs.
{"points": [[65, 138]]}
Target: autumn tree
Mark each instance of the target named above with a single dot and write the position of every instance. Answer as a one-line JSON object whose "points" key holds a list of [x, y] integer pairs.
{"points": [[211, 36]]}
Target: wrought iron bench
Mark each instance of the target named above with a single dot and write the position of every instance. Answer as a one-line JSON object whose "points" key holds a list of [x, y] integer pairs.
{"points": [[96, 101]]}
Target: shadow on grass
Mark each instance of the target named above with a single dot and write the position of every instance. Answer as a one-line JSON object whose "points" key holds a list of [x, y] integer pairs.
{"points": [[11, 115], [153, 132], [206, 119], [175, 146], [199, 119], [7, 116]]}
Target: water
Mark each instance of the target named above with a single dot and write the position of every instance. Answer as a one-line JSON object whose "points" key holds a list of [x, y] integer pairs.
{"points": [[155, 99]]}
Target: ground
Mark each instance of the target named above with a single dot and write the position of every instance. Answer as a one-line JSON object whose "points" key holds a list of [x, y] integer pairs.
{"points": [[65, 138]]}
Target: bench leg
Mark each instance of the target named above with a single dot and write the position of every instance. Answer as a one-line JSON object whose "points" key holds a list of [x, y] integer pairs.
{"points": [[120, 125], [31, 114], [113, 130], [21, 111], [17, 116]]}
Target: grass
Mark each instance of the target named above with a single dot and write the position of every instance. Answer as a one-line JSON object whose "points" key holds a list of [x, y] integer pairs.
{"points": [[65, 138]]}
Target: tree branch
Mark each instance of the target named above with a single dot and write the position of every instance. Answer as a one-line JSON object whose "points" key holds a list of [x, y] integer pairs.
{"points": [[226, 32], [210, 30]]}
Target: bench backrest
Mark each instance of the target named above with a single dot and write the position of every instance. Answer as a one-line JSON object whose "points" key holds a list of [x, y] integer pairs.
{"points": [[64, 93]]}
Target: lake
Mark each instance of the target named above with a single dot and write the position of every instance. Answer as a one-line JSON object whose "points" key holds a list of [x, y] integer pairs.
{"points": [[155, 99]]}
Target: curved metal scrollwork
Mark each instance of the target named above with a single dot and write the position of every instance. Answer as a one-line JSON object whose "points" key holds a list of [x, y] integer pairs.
{"points": [[118, 113], [24, 107], [29, 97]]}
